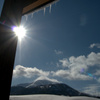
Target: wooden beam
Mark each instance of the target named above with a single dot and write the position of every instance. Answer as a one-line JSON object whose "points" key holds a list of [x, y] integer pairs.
{"points": [[36, 5]]}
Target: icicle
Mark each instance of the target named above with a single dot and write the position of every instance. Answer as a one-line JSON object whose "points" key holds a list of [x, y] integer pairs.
{"points": [[26, 16], [32, 15], [50, 8], [44, 10]]}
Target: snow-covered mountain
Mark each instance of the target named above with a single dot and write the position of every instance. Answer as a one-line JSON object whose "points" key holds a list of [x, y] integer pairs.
{"points": [[45, 87]]}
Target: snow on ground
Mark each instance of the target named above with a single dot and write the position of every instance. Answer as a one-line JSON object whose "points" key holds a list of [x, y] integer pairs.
{"points": [[49, 97]]}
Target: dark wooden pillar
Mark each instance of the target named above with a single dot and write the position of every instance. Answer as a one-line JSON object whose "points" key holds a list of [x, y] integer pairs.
{"points": [[11, 16]]}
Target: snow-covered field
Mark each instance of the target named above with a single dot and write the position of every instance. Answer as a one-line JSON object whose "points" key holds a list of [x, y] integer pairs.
{"points": [[49, 97]]}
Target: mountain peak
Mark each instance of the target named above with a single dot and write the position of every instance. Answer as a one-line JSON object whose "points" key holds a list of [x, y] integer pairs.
{"points": [[46, 81], [46, 78]]}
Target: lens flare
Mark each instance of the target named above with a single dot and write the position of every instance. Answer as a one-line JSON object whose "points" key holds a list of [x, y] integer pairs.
{"points": [[19, 32], [89, 74]]}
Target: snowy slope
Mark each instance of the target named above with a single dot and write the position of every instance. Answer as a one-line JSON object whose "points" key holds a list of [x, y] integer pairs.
{"points": [[49, 97], [45, 87], [40, 82]]}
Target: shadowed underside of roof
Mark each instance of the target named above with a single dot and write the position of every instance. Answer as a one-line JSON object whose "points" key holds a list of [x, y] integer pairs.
{"points": [[33, 5]]}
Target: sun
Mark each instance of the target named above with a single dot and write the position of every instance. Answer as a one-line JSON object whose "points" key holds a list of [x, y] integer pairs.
{"points": [[19, 32]]}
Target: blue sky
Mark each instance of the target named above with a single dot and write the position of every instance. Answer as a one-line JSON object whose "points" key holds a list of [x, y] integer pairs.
{"points": [[62, 45]]}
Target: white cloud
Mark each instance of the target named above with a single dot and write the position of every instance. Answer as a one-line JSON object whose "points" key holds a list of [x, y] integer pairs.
{"points": [[91, 60], [28, 72], [70, 75], [93, 89], [98, 80], [95, 45], [46, 78], [65, 62], [97, 72], [58, 52], [74, 66]]}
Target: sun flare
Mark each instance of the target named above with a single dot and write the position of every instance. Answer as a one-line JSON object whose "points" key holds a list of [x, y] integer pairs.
{"points": [[20, 32]]}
